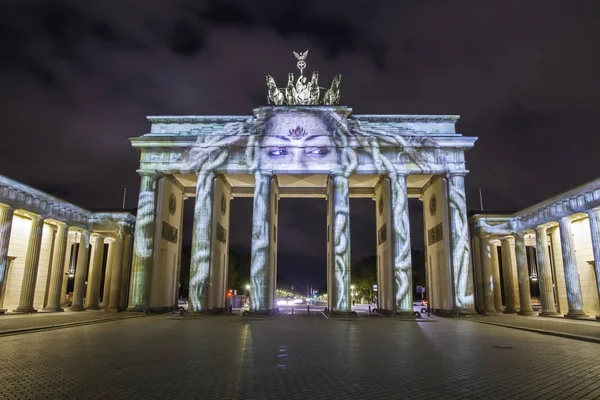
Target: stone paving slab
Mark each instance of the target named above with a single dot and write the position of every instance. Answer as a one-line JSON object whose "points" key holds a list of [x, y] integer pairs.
{"points": [[12, 323], [565, 326], [295, 358]]}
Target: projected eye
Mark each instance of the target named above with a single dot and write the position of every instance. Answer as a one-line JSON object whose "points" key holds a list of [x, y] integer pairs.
{"points": [[319, 152], [278, 152]]}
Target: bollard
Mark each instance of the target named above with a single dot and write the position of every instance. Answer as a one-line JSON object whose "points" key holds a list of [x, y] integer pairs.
{"points": [[308, 309], [369, 310], [292, 310]]}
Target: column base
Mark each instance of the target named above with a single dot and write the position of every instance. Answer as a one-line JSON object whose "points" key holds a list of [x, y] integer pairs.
{"points": [[25, 310], [509, 312], [77, 308], [52, 309], [598, 317], [549, 314], [382, 311], [135, 309], [527, 313], [112, 309], [466, 312], [405, 313], [93, 307], [3, 311], [342, 314], [576, 314], [491, 312], [256, 313]]}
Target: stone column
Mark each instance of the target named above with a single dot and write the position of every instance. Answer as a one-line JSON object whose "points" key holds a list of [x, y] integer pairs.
{"points": [[125, 270], [339, 292], [6, 216], [574, 295], [67, 266], [496, 285], [459, 232], [201, 243], [487, 275], [509, 280], [143, 245], [403, 290], [594, 216], [261, 241], [81, 271], [31, 265], [545, 273], [108, 275], [478, 273], [58, 267], [117, 265], [523, 271], [93, 303]]}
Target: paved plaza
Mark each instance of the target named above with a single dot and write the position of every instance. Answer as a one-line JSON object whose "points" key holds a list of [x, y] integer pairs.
{"points": [[295, 357]]}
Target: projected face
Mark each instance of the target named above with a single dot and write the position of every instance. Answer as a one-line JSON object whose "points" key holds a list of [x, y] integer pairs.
{"points": [[297, 140]]}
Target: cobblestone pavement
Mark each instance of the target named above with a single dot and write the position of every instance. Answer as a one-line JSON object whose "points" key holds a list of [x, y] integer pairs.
{"points": [[11, 322], [295, 357], [560, 325]]}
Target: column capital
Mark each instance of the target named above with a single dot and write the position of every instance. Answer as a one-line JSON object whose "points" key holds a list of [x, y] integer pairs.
{"points": [[519, 235], [453, 173], [395, 174], [149, 173], [541, 230], [593, 211], [568, 218], [97, 236]]}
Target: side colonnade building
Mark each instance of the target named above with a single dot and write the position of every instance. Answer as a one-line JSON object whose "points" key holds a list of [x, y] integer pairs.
{"points": [[44, 241], [551, 249]]}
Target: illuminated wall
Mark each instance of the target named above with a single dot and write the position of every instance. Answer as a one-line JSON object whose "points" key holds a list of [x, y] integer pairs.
{"points": [[167, 239], [303, 140], [220, 244], [383, 223], [19, 237], [437, 234]]}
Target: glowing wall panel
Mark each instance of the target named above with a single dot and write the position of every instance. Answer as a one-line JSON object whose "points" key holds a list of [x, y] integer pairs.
{"points": [[383, 223], [220, 244], [167, 237], [17, 248], [438, 244]]}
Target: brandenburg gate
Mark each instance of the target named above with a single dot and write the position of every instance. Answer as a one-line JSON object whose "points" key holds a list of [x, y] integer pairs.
{"points": [[303, 144]]}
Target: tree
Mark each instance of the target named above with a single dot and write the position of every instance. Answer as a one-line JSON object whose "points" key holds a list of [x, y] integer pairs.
{"points": [[238, 274], [364, 276]]}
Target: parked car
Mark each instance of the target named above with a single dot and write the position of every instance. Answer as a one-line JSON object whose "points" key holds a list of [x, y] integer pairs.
{"points": [[183, 305]]}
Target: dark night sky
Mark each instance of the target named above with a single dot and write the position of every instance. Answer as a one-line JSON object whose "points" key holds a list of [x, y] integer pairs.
{"points": [[78, 79]]}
